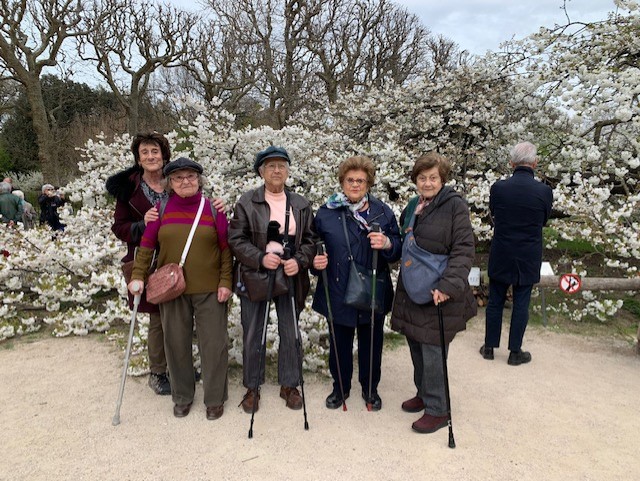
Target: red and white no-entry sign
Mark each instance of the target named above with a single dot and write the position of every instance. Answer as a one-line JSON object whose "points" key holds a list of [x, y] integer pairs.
{"points": [[570, 283]]}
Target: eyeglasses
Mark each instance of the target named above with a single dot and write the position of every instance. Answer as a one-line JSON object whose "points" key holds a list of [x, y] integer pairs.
{"points": [[276, 166], [181, 178], [423, 178], [358, 182]]}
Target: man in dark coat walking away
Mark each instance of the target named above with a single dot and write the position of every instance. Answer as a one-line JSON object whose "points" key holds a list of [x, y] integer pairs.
{"points": [[520, 206]]}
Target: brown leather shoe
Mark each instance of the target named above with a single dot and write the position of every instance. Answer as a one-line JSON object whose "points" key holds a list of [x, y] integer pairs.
{"points": [[429, 424], [247, 401], [181, 410], [215, 412], [292, 396], [413, 405]]}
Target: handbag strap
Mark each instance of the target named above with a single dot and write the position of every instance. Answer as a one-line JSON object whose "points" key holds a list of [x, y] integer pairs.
{"points": [[287, 214], [346, 234], [192, 232]]}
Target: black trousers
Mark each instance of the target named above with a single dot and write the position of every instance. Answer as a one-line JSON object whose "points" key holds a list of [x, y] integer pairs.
{"points": [[519, 314], [344, 341]]}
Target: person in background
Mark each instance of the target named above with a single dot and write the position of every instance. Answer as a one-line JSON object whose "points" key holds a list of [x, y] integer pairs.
{"points": [[49, 202], [360, 209], [10, 206], [254, 212], [28, 212], [439, 218], [520, 207], [208, 276], [137, 191]]}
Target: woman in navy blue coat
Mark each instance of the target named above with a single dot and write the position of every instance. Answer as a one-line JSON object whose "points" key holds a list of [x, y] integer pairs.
{"points": [[360, 210]]}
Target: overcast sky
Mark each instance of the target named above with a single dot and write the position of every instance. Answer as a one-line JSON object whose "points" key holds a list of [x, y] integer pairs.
{"points": [[481, 25]]}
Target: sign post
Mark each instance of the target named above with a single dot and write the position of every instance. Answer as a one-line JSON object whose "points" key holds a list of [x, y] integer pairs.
{"points": [[545, 270]]}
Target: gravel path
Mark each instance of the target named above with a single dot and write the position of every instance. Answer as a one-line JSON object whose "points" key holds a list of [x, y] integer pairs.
{"points": [[572, 414]]}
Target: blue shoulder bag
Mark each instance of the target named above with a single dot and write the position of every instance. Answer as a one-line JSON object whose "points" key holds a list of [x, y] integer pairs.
{"points": [[420, 269]]}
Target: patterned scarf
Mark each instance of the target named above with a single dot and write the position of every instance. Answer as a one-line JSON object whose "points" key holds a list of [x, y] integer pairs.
{"points": [[340, 200], [152, 196], [422, 203]]}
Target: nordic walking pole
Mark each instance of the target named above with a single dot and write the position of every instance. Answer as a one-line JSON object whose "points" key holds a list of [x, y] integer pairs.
{"points": [[322, 250], [292, 296], [375, 227], [452, 442], [134, 312], [263, 347]]}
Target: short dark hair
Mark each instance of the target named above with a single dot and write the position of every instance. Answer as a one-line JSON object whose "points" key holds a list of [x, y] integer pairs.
{"points": [[150, 138], [428, 161], [358, 162]]}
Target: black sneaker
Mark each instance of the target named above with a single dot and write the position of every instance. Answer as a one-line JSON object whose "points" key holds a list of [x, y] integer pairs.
{"points": [[519, 357], [334, 400], [376, 402], [159, 383], [486, 352]]}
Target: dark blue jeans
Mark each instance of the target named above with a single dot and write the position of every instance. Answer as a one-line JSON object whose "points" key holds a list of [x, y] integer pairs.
{"points": [[519, 314]]}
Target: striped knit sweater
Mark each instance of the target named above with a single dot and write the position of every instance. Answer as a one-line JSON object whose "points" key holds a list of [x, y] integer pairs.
{"points": [[209, 262]]}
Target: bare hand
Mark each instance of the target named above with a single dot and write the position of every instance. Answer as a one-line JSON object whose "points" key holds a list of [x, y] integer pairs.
{"points": [[271, 261], [320, 262], [136, 287], [291, 267], [224, 293], [439, 297], [151, 215], [218, 204], [378, 240]]}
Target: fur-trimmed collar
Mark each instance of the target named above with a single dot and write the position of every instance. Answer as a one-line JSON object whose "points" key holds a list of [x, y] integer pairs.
{"points": [[122, 184]]}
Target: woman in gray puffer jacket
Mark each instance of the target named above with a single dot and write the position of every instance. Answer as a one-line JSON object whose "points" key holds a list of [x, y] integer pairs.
{"points": [[442, 226]]}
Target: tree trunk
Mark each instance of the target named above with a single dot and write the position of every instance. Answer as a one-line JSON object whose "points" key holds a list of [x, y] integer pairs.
{"points": [[133, 109], [47, 152]]}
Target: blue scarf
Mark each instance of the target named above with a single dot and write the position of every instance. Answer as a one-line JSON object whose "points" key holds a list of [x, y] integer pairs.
{"points": [[340, 200]]}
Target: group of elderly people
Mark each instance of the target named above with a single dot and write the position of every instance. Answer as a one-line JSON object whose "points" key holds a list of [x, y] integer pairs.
{"points": [[274, 234]]}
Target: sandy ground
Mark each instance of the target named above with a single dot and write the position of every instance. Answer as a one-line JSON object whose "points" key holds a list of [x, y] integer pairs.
{"points": [[572, 414]]}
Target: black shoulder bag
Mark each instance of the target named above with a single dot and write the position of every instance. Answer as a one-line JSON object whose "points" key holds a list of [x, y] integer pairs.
{"points": [[358, 293]]}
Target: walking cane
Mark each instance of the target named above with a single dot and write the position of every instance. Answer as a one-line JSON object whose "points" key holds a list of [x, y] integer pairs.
{"points": [[292, 296], [322, 250], [263, 347], [134, 312], [375, 227], [452, 443]]}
